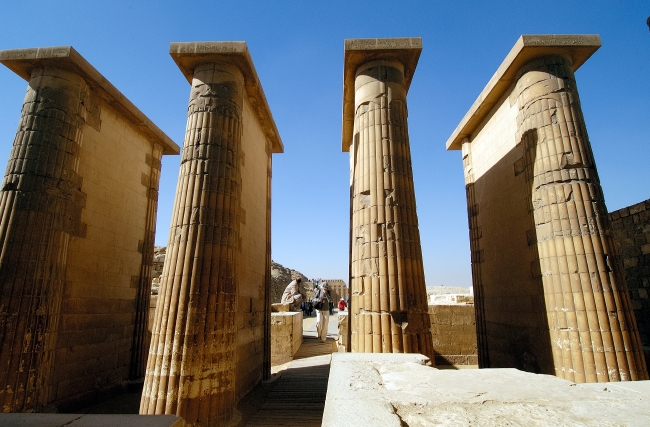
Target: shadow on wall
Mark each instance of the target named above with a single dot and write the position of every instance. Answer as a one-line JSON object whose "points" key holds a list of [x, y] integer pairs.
{"points": [[511, 323]]}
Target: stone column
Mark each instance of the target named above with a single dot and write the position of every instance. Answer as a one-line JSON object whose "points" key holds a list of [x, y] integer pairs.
{"points": [[389, 307], [592, 328], [142, 282], [191, 366], [40, 208], [268, 280]]}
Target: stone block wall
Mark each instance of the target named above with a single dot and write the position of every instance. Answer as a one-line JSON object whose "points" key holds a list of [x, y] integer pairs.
{"points": [[254, 265], [631, 229], [342, 339], [544, 264], [85, 168], [338, 288], [98, 313], [453, 329], [505, 266], [286, 336]]}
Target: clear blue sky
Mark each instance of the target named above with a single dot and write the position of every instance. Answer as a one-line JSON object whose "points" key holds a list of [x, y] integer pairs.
{"points": [[297, 48]]}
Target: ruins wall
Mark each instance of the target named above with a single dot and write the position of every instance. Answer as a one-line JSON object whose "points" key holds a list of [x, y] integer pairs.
{"points": [[498, 211], [453, 329], [286, 336], [631, 229], [549, 290], [85, 169], [338, 289], [99, 302], [254, 251]]}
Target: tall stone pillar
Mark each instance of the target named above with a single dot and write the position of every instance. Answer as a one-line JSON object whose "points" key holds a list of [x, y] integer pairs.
{"points": [[389, 301], [191, 366], [592, 327], [141, 338], [549, 291], [40, 208]]}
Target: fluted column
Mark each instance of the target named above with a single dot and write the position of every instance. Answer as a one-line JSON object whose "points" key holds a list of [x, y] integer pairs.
{"points": [[40, 208], [389, 309], [141, 341], [191, 366], [592, 328]]}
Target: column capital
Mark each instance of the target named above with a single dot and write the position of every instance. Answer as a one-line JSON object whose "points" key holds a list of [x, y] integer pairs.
{"points": [[359, 51], [575, 47], [24, 61], [190, 54]]}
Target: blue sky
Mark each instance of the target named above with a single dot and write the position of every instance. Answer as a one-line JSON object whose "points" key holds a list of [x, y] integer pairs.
{"points": [[297, 48]]}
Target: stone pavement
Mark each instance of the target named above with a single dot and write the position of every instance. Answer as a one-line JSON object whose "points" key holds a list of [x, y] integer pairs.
{"points": [[297, 397]]}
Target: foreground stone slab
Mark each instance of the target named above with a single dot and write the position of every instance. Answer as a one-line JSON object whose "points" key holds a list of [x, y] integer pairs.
{"points": [[549, 287], [89, 420], [399, 389], [388, 305]]}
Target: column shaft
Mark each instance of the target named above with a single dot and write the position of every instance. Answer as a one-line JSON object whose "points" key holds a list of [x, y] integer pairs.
{"points": [[40, 208], [141, 343], [266, 369], [592, 329], [191, 366], [389, 308]]}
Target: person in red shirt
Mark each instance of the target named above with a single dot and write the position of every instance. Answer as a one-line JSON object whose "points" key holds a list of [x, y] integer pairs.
{"points": [[342, 305]]}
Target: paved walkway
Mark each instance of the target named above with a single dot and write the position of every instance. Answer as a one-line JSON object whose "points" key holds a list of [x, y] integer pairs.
{"points": [[298, 396]]}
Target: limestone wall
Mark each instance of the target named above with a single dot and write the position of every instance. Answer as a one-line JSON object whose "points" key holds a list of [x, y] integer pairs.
{"points": [[255, 249], [453, 329], [631, 229], [286, 336], [100, 295], [511, 298], [338, 288], [77, 248], [544, 264]]}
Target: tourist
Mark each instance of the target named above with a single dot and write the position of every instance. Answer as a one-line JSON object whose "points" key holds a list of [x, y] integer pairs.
{"points": [[342, 305], [304, 307], [322, 298]]}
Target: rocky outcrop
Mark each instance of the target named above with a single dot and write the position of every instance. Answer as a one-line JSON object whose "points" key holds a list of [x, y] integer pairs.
{"points": [[280, 276]]}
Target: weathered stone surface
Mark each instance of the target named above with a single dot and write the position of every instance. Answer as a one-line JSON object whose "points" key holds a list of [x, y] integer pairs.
{"points": [[286, 336], [398, 389], [388, 305], [453, 329], [197, 315], [342, 339], [282, 276], [631, 231], [338, 288], [75, 292], [279, 307], [545, 272], [211, 339], [577, 47]]}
